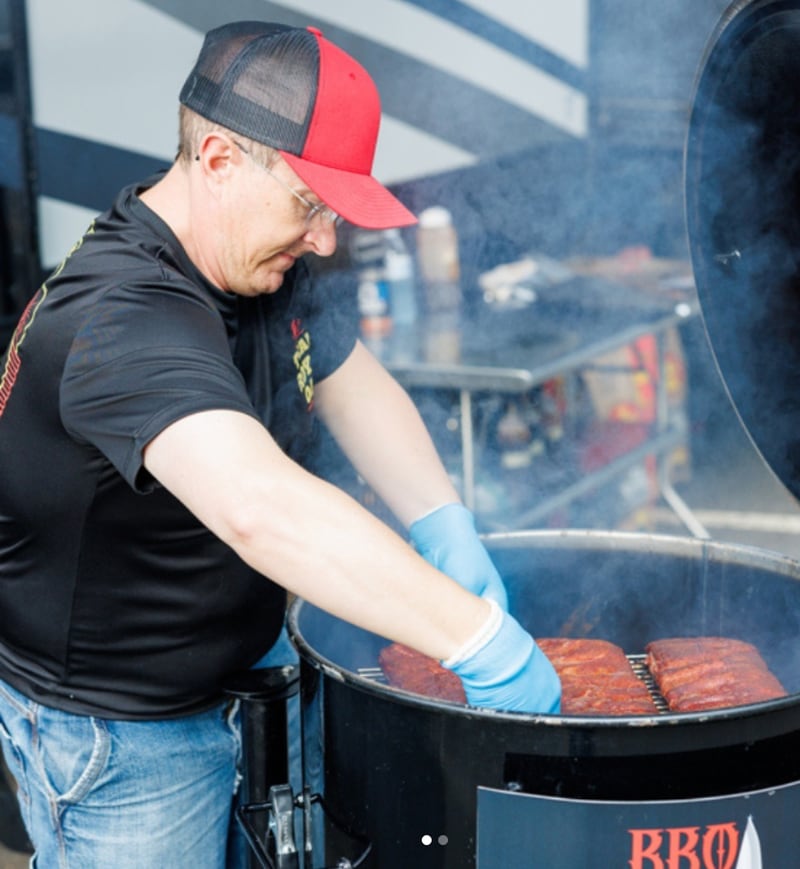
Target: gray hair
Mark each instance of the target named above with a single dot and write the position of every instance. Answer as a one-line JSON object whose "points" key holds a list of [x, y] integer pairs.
{"points": [[192, 128]]}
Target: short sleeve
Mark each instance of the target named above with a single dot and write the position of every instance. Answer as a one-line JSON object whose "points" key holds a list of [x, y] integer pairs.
{"points": [[144, 358]]}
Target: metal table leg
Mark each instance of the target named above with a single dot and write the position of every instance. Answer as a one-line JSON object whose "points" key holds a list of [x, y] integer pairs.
{"points": [[467, 449], [665, 487]]}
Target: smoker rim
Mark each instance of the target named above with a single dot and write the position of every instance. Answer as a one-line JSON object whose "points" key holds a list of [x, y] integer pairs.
{"points": [[576, 540]]}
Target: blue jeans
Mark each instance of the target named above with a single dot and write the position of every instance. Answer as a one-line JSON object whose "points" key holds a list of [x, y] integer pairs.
{"points": [[107, 794]]}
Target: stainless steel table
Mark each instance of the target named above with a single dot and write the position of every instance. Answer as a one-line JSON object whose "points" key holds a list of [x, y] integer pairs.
{"points": [[512, 352]]}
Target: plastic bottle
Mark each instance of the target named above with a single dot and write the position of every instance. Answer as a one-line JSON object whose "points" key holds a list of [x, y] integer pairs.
{"points": [[437, 251], [399, 272], [437, 254], [373, 306]]}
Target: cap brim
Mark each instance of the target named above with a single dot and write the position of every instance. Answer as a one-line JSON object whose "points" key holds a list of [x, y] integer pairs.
{"points": [[359, 199]]}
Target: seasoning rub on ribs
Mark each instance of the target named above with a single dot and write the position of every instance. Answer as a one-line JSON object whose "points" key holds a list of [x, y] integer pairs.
{"points": [[412, 671], [699, 673], [596, 678]]}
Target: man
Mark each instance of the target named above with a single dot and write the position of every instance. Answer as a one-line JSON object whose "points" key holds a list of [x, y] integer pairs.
{"points": [[155, 407]]}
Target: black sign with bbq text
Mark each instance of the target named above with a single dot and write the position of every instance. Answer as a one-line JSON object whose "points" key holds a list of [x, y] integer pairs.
{"points": [[756, 830]]}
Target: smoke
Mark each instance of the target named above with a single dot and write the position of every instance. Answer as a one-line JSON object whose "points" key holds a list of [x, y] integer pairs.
{"points": [[535, 192]]}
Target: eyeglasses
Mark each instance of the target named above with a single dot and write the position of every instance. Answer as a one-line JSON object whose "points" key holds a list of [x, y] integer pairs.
{"points": [[318, 214]]}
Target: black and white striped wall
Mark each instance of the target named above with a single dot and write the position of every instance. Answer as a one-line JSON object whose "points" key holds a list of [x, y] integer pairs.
{"points": [[490, 106]]}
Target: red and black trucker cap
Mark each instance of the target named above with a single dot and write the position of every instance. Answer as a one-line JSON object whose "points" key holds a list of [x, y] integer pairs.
{"points": [[292, 89]]}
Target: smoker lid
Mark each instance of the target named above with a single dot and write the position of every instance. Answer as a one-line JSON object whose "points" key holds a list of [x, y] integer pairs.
{"points": [[742, 186]]}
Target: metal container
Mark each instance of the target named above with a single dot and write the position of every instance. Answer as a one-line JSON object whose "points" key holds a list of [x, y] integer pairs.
{"points": [[407, 773]]}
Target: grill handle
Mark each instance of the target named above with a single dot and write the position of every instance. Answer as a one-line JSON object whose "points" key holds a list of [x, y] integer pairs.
{"points": [[266, 803], [282, 813], [277, 849], [263, 694]]}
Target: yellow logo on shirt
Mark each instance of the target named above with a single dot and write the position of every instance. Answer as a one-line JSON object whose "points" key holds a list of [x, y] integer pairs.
{"points": [[302, 362]]}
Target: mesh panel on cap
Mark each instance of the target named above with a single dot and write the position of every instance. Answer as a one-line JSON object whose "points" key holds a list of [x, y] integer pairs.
{"points": [[257, 79], [292, 89]]}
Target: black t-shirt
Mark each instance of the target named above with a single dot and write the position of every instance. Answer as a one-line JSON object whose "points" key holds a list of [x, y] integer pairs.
{"points": [[114, 599]]}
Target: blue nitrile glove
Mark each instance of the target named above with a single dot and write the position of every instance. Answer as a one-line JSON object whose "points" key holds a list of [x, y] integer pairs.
{"points": [[447, 539], [507, 670]]}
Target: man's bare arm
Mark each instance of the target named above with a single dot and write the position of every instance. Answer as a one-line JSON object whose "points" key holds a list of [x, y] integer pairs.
{"points": [[307, 535]]}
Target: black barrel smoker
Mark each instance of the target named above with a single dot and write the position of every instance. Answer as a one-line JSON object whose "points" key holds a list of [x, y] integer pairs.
{"points": [[397, 781], [433, 784]]}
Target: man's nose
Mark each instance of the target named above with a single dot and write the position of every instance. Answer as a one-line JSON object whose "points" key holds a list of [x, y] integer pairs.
{"points": [[322, 236]]}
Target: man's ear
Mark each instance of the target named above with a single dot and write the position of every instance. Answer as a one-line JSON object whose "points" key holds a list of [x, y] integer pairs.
{"points": [[218, 155]]}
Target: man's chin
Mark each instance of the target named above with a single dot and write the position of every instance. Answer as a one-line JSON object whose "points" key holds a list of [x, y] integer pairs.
{"points": [[272, 284]]}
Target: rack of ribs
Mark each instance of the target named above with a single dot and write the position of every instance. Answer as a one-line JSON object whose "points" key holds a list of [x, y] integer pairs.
{"points": [[699, 673], [596, 678], [412, 671]]}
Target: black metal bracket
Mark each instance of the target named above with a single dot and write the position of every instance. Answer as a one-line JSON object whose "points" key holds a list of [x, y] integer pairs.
{"points": [[278, 849]]}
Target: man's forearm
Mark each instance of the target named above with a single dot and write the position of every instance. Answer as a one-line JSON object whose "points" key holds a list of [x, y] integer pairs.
{"points": [[307, 535], [380, 430]]}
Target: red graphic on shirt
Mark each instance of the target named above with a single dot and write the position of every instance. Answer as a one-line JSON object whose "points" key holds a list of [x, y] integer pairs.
{"points": [[8, 377]]}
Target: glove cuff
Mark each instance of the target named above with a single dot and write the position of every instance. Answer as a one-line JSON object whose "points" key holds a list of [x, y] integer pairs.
{"points": [[447, 519], [482, 637]]}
